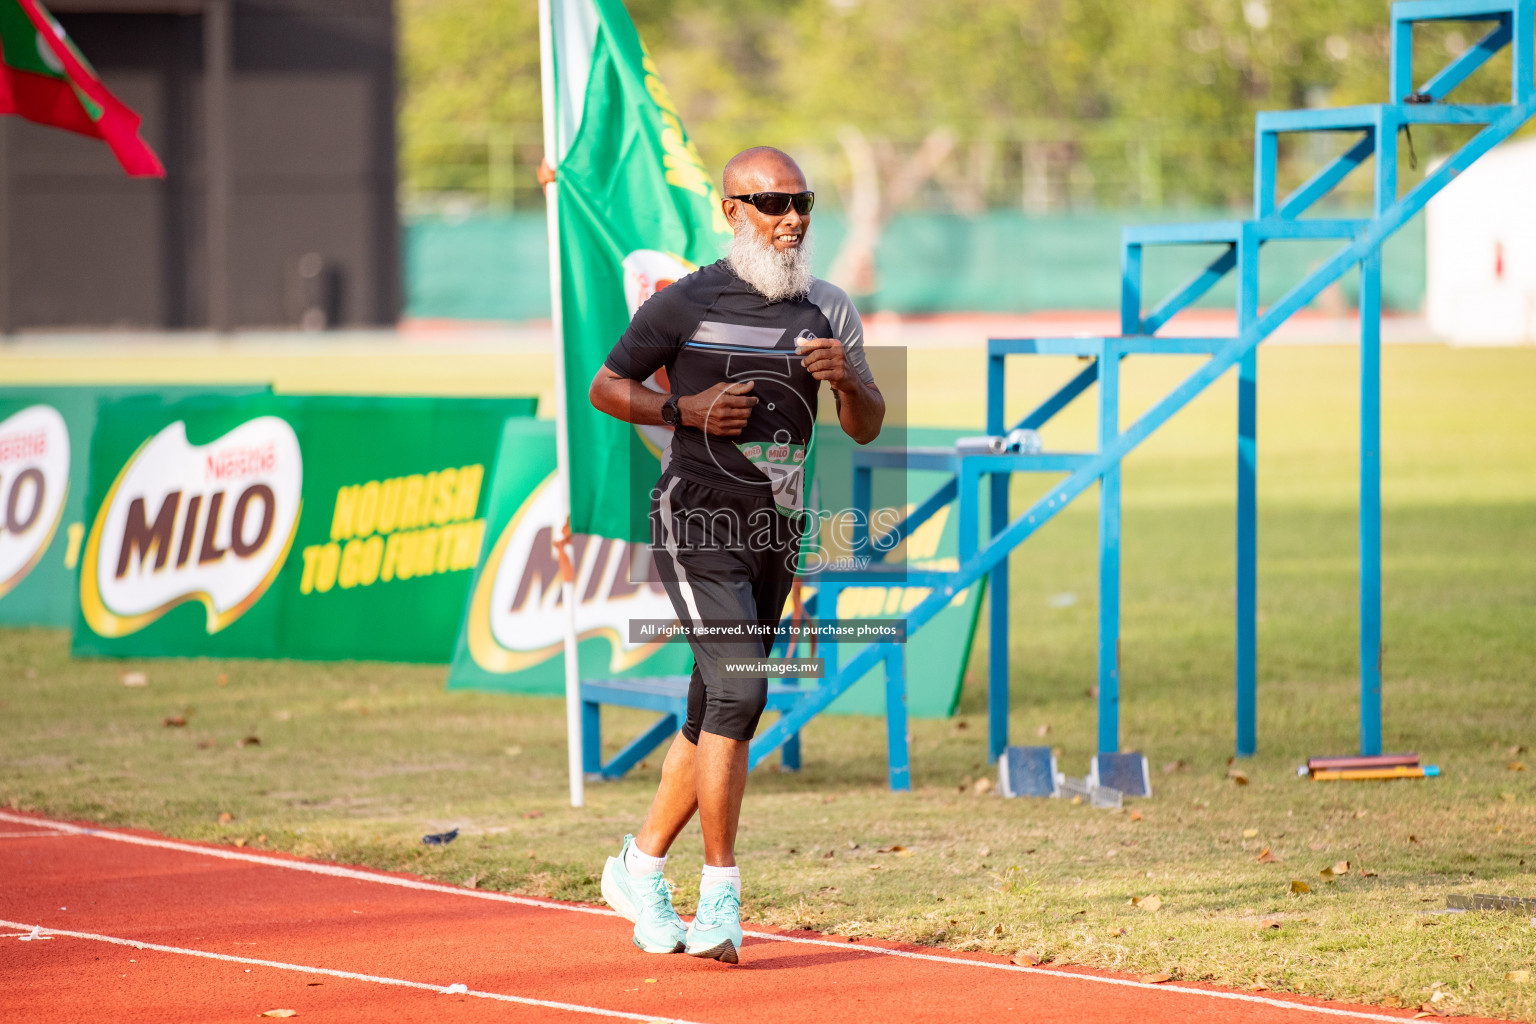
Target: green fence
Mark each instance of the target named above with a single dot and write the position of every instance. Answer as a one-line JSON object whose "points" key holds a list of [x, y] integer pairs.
{"points": [[494, 266]]}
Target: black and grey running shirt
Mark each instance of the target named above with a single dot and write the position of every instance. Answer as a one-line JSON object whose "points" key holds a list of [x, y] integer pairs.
{"points": [[712, 326]]}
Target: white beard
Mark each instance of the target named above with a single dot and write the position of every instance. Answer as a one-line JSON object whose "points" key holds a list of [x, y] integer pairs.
{"points": [[778, 275]]}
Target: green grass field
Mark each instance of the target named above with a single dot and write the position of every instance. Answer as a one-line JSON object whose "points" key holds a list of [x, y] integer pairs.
{"points": [[357, 761]]}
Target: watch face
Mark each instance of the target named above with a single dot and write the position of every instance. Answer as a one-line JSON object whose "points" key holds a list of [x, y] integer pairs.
{"points": [[669, 412]]}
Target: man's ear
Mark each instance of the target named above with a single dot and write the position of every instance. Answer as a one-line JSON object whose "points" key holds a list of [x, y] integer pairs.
{"points": [[732, 210]]}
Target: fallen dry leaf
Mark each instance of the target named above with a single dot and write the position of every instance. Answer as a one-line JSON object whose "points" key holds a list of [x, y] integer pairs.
{"points": [[1258, 986], [250, 741], [1116, 931], [1152, 904], [533, 814], [1174, 766], [1023, 959], [1317, 847], [1340, 868], [225, 817], [472, 882], [222, 679], [1269, 922], [1516, 766], [174, 721], [1044, 730], [981, 786], [1367, 873], [207, 744], [1518, 977], [893, 848], [1238, 776], [1429, 1010], [828, 855], [852, 845], [1507, 796], [1518, 749], [1137, 816], [962, 724], [985, 851], [281, 1013], [1298, 886], [1265, 857], [1413, 838], [1154, 979], [240, 842], [1249, 833], [135, 679]]}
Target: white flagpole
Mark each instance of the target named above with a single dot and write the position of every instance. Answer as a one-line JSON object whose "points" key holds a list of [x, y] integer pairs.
{"points": [[573, 737]]}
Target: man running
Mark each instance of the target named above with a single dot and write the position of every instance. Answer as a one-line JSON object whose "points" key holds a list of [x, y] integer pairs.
{"points": [[745, 343]]}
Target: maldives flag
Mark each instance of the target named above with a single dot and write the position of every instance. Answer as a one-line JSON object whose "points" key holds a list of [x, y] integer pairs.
{"points": [[44, 78]]}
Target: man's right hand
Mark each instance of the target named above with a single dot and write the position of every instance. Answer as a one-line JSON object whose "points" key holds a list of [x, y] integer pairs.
{"points": [[722, 410]]}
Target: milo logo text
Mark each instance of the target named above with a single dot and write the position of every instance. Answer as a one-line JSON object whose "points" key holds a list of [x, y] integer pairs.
{"points": [[778, 452], [517, 614], [752, 451], [187, 522], [34, 477]]}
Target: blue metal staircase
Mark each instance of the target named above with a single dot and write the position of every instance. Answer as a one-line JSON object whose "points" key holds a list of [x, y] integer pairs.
{"points": [[1380, 127]]}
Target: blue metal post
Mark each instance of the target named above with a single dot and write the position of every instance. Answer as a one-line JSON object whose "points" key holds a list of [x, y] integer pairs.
{"points": [[1109, 552], [997, 626], [1370, 504], [1247, 502], [1130, 288], [789, 754], [591, 737], [1265, 157], [1523, 53], [896, 718], [1401, 73], [997, 368]]}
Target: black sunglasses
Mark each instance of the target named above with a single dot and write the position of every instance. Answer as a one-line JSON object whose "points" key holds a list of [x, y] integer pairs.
{"points": [[776, 204]]}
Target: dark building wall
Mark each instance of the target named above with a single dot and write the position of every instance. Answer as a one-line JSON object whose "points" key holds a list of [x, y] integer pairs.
{"points": [[312, 157]]}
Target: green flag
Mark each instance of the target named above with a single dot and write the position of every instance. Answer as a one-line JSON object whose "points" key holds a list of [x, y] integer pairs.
{"points": [[637, 210]]}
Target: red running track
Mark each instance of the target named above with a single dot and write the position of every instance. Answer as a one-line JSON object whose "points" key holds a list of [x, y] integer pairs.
{"points": [[126, 926]]}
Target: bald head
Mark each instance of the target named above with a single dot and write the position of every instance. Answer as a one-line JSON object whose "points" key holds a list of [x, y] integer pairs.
{"points": [[762, 169]]}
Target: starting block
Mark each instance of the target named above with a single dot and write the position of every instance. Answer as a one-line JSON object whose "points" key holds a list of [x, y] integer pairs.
{"points": [[1027, 771], [1126, 772]]}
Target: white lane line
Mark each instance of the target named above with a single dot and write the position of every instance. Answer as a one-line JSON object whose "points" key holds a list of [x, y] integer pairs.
{"points": [[36, 835], [408, 883], [595, 1011], [330, 870]]}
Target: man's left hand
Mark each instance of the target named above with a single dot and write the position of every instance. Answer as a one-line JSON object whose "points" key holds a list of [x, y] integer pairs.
{"points": [[825, 360]]}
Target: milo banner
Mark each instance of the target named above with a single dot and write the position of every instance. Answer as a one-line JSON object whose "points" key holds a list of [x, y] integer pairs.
{"points": [[285, 526], [514, 623], [512, 633], [45, 443]]}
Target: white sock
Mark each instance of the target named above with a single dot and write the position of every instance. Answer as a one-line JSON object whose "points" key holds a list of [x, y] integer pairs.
{"points": [[638, 863], [714, 876]]}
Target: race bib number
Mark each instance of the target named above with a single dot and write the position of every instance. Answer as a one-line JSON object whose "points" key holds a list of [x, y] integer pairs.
{"points": [[784, 466]]}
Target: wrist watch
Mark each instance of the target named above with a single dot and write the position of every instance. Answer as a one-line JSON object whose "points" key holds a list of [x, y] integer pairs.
{"points": [[670, 414]]}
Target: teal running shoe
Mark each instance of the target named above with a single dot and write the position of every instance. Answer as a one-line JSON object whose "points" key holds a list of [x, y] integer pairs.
{"points": [[715, 933], [647, 901]]}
